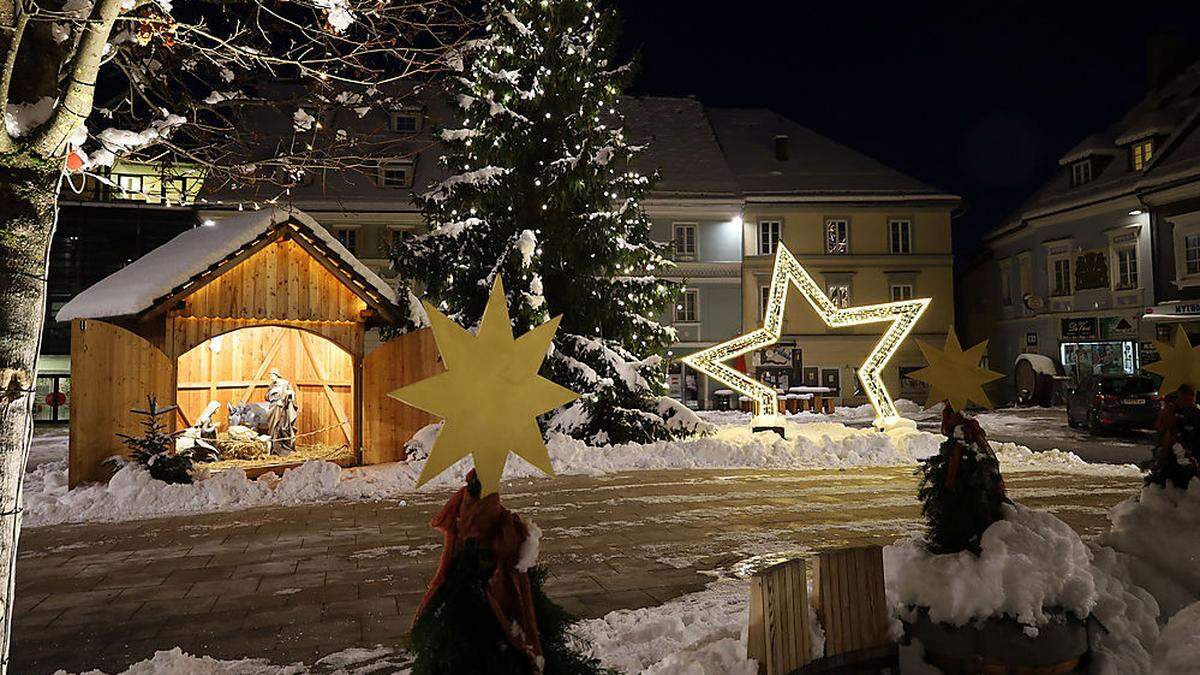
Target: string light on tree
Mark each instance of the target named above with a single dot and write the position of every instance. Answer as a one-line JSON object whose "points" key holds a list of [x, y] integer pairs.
{"points": [[902, 315]]}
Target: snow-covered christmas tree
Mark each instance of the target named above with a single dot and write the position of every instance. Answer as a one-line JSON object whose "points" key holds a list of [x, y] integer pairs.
{"points": [[543, 192]]}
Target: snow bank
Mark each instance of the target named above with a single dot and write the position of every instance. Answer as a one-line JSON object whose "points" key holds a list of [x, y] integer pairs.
{"points": [[1159, 530], [1178, 648], [1029, 562], [698, 634]]}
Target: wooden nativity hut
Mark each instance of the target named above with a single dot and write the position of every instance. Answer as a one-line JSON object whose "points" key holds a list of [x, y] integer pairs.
{"points": [[208, 315]]}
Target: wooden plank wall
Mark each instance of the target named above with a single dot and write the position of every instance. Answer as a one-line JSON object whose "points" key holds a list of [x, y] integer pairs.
{"points": [[184, 333], [779, 637], [387, 423], [282, 281], [112, 371], [848, 584], [228, 366]]}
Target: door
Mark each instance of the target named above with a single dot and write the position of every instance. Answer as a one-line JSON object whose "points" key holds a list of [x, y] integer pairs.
{"points": [[387, 423], [112, 372]]}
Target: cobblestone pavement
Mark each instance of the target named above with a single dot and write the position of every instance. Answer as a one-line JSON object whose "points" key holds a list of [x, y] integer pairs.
{"points": [[294, 584]]}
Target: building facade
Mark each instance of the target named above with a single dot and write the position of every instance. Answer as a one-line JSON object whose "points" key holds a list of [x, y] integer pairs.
{"points": [[1094, 267]]}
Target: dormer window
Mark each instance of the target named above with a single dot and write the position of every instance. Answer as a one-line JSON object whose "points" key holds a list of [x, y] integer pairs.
{"points": [[405, 121], [1081, 172], [395, 174], [1140, 154]]}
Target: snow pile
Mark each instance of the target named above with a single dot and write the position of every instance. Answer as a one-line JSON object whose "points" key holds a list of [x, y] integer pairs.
{"points": [[1030, 564], [1159, 530], [169, 662], [1178, 648], [698, 634], [1041, 364]]}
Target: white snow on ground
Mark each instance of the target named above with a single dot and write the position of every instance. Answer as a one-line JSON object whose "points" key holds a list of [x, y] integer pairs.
{"points": [[1159, 530], [131, 494], [1178, 648]]}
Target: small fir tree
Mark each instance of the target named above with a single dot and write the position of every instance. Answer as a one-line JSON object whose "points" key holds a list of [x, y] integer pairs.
{"points": [[543, 192], [155, 448], [961, 490]]}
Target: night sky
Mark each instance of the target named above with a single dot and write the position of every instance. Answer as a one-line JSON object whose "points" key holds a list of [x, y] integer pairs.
{"points": [[979, 99]]}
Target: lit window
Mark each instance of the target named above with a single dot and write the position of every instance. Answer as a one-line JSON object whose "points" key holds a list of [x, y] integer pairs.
{"points": [[1062, 277], [405, 122], [1140, 154], [1081, 172], [837, 236], [130, 186], [1127, 271], [685, 241], [902, 292], [686, 307], [768, 237], [839, 294], [900, 235], [348, 237], [1191, 253], [395, 175]]}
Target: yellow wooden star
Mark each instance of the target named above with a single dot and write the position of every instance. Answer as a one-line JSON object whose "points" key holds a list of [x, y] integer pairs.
{"points": [[902, 315], [1178, 364], [954, 375], [489, 396]]}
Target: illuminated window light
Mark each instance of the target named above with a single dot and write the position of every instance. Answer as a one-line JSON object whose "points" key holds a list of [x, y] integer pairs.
{"points": [[902, 314]]}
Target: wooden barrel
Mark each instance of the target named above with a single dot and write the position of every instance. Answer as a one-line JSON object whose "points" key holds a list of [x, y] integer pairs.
{"points": [[1002, 646]]}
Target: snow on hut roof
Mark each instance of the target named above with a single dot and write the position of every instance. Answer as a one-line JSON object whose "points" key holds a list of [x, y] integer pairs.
{"points": [[140, 284]]}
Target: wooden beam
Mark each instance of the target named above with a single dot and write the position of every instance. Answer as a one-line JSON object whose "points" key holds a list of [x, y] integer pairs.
{"points": [[333, 403], [263, 367], [241, 384]]}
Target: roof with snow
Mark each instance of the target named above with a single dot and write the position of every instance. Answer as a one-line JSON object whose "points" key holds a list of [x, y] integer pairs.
{"points": [[161, 273], [814, 165], [680, 144], [1168, 114]]}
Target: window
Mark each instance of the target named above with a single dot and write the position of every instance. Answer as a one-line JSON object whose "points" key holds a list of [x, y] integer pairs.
{"points": [[900, 237], [1006, 295], [1081, 172], [686, 309], [1127, 269], [1140, 154], [837, 236], [348, 237], [405, 121], [768, 236], [685, 241], [130, 186], [396, 175], [764, 298], [1061, 280], [902, 292], [839, 294], [1191, 253]]}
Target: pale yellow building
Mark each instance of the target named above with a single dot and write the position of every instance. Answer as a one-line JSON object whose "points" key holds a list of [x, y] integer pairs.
{"points": [[865, 232]]}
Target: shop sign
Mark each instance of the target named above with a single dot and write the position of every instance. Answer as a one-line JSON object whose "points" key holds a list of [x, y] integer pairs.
{"points": [[1117, 328], [1147, 353], [1187, 308], [1079, 328], [1031, 339]]}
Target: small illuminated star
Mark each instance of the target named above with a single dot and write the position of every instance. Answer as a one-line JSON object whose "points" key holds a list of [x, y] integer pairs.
{"points": [[490, 394], [954, 375], [1178, 364], [902, 314]]}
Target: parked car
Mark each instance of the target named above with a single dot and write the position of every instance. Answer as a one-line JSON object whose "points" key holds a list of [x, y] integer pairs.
{"points": [[1101, 402]]}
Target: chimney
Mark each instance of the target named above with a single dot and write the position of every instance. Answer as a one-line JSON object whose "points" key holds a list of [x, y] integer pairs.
{"points": [[1168, 53], [781, 147]]}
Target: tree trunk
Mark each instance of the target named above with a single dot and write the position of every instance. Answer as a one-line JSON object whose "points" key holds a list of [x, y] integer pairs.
{"points": [[28, 215]]}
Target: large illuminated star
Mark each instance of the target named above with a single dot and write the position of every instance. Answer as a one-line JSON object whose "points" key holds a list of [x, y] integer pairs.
{"points": [[902, 314], [954, 375], [489, 396], [1178, 364]]}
